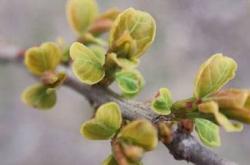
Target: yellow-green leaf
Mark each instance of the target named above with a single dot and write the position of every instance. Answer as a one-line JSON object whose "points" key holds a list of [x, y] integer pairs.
{"points": [[124, 63], [212, 107], [87, 66], [107, 121], [95, 130], [110, 115], [162, 103], [141, 133], [81, 14], [129, 81], [39, 96], [214, 74], [43, 58], [99, 52], [208, 132], [132, 29]]}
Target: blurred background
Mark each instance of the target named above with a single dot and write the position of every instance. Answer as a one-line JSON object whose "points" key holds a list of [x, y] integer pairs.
{"points": [[188, 32]]}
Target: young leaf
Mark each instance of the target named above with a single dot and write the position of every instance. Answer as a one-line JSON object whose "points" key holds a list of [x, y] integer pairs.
{"points": [[141, 133], [43, 58], [99, 52], [230, 98], [107, 121], [208, 132], [212, 107], [214, 74], [162, 103], [39, 96], [110, 115], [129, 81], [95, 130], [124, 63], [132, 29], [87, 66], [81, 14]]}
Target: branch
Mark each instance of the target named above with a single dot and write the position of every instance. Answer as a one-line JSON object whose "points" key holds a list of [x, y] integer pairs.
{"points": [[183, 146]]}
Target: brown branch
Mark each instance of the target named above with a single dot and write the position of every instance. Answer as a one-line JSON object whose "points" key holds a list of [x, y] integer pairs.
{"points": [[183, 147]]}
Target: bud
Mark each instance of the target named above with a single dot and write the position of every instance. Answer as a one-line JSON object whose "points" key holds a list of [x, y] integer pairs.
{"points": [[133, 153]]}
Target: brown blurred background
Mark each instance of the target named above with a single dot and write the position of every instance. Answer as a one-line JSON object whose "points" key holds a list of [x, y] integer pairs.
{"points": [[188, 32]]}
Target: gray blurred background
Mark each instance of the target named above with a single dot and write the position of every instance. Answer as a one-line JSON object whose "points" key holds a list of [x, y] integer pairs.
{"points": [[189, 31]]}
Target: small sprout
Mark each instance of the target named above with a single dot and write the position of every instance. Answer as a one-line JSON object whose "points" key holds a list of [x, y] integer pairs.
{"points": [[214, 74], [81, 14], [110, 160], [208, 132], [107, 121], [39, 96], [132, 33], [43, 58], [87, 65], [141, 133], [213, 108], [129, 81], [52, 79], [162, 102]]}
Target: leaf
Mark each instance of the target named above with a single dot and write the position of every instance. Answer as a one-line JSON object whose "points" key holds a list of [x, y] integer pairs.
{"points": [[43, 58], [39, 96], [208, 132], [87, 66], [140, 132], [110, 115], [230, 98], [110, 160], [99, 52], [162, 103], [123, 62], [81, 14], [136, 29], [214, 74], [95, 130], [107, 121], [212, 107], [129, 81]]}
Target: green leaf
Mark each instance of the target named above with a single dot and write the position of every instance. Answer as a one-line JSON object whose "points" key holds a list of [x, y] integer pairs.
{"points": [[162, 103], [87, 66], [141, 133], [208, 132], [107, 121], [214, 74], [132, 33], [81, 14], [129, 81], [110, 160], [213, 108], [43, 58], [39, 96]]}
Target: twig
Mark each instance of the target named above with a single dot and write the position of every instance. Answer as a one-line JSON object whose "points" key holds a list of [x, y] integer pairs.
{"points": [[183, 147]]}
